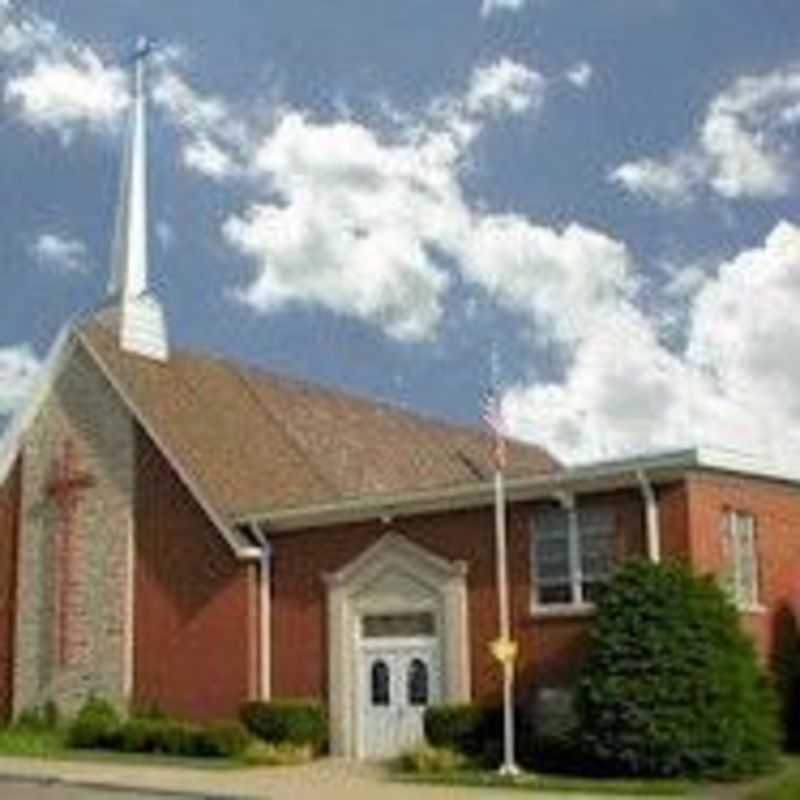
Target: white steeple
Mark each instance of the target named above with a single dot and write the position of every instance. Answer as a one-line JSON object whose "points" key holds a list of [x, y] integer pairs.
{"points": [[141, 323]]}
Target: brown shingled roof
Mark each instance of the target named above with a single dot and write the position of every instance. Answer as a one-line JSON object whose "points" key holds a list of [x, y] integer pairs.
{"points": [[255, 442]]}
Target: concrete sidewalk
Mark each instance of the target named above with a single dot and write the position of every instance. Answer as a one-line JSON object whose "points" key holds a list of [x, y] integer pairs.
{"points": [[328, 779]]}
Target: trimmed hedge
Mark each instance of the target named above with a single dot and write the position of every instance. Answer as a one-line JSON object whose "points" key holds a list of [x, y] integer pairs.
{"points": [[459, 727], [99, 726], [477, 732], [96, 725], [46, 717], [671, 685], [218, 740], [294, 722]]}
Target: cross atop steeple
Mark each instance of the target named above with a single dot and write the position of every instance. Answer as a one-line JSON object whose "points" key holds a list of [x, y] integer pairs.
{"points": [[142, 327]]}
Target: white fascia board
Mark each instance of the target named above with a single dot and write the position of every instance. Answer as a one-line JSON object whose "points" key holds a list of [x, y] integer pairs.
{"points": [[14, 435], [589, 478], [586, 478], [244, 553]]}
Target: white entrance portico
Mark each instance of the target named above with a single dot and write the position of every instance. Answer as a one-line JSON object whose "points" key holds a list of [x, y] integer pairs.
{"points": [[398, 641]]}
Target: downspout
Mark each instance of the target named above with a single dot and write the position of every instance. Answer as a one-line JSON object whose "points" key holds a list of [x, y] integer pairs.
{"points": [[651, 517], [264, 613]]}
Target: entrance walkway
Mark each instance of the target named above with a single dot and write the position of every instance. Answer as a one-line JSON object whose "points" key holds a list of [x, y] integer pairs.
{"points": [[328, 779]]}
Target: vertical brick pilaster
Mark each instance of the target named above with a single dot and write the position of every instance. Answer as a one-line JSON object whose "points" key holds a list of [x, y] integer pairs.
{"points": [[9, 544]]}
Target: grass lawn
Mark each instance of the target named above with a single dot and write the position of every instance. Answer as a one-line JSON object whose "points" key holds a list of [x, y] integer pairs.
{"points": [[52, 744], [784, 786], [41, 744], [554, 783]]}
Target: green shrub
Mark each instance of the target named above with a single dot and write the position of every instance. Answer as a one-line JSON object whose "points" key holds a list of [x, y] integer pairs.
{"points": [[39, 718], [29, 719], [96, 725], [287, 721], [154, 736], [224, 739], [171, 737], [263, 754], [429, 759], [477, 732], [671, 685], [459, 727]]}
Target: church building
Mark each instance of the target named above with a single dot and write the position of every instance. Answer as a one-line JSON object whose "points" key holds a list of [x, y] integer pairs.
{"points": [[182, 531]]}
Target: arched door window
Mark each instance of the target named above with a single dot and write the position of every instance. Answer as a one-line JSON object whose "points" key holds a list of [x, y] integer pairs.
{"points": [[417, 683], [379, 683]]}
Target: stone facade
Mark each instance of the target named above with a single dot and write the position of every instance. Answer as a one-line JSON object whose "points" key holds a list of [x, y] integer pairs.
{"points": [[87, 647], [9, 529]]}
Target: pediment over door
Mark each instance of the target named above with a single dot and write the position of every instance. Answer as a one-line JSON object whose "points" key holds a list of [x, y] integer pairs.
{"points": [[393, 576]]}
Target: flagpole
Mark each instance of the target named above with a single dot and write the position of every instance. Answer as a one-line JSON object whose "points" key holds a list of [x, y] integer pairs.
{"points": [[509, 766], [504, 649]]}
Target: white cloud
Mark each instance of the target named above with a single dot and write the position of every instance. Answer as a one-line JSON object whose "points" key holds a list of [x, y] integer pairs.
{"points": [[489, 7], [743, 148], [667, 182], [165, 234], [60, 253], [18, 367], [216, 141], [357, 217], [55, 83], [684, 280], [621, 393], [580, 75], [66, 95], [744, 161], [504, 86], [735, 384], [745, 325], [566, 280], [22, 35], [352, 233]]}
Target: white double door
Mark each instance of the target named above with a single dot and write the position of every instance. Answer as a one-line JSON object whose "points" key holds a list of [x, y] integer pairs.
{"points": [[398, 681]]}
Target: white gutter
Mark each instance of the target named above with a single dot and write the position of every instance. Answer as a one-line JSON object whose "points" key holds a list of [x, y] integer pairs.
{"points": [[590, 478], [264, 615], [651, 517]]}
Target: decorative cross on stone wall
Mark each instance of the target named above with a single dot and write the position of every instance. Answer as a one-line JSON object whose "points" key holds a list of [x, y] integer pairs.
{"points": [[65, 488]]}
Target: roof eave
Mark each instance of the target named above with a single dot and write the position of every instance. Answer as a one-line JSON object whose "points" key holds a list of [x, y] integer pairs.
{"points": [[590, 478], [217, 518]]}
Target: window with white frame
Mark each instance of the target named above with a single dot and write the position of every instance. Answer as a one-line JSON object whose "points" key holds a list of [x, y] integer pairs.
{"points": [[740, 575], [572, 554]]}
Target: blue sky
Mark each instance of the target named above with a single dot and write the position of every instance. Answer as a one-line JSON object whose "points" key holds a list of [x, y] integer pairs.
{"points": [[376, 195]]}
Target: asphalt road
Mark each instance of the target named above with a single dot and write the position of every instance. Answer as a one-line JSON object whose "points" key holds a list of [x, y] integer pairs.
{"points": [[10, 790]]}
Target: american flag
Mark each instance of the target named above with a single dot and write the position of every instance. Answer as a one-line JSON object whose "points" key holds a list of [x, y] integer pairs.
{"points": [[493, 417]]}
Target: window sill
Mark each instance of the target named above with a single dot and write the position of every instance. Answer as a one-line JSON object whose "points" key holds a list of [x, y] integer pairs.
{"points": [[756, 609], [563, 610]]}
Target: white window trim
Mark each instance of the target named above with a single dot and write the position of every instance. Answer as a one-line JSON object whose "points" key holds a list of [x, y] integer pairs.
{"points": [[737, 592], [578, 607]]}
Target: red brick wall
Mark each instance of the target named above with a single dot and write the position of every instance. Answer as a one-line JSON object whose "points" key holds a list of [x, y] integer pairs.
{"points": [[193, 652], [777, 511], [9, 532], [550, 649], [673, 517]]}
